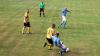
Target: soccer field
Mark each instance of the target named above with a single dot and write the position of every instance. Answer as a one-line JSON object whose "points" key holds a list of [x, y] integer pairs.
{"points": [[82, 35]]}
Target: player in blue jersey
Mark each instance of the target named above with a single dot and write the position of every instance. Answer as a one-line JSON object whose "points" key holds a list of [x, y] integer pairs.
{"points": [[57, 42], [64, 14]]}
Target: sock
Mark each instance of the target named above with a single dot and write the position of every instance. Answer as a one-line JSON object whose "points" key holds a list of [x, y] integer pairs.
{"points": [[44, 14], [40, 14], [45, 44]]}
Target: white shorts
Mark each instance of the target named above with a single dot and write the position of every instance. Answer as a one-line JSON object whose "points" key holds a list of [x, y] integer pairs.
{"points": [[63, 18]]}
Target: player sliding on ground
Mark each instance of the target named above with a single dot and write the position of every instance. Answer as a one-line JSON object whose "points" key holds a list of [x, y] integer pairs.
{"points": [[50, 32], [57, 42], [26, 28], [63, 18]]}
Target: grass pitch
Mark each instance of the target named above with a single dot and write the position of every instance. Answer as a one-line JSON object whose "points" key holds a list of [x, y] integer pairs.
{"points": [[82, 35]]}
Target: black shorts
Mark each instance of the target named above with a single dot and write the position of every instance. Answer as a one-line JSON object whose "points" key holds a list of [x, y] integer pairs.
{"points": [[41, 10], [27, 24], [50, 41]]}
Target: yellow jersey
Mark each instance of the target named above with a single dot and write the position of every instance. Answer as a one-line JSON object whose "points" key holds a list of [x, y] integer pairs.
{"points": [[50, 32], [26, 17]]}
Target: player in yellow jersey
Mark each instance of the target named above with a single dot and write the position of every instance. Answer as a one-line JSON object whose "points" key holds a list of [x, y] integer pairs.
{"points": [[50, 32], [26, 23]]}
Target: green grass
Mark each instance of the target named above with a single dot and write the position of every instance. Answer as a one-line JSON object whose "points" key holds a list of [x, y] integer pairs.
{"points": [[82, 35]]}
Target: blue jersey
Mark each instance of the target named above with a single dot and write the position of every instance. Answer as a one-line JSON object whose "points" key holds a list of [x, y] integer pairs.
{"points": [[56, 40], [64, 12]]}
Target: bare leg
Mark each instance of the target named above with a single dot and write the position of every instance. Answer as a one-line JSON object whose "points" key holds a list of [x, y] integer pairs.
{"points": [[28, 29], [24, 30]]}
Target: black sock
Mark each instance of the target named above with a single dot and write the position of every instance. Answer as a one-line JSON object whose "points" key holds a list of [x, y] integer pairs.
{"points": [[44, 14], [45, 44], [40, 14]]}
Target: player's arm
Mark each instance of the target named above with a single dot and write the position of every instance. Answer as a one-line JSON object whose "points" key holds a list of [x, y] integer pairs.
{"points": [[24, 19], [68, 11]]}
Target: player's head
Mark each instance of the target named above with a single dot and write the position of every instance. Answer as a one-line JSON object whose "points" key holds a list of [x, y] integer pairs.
{"points": [[53, 25], [42, 2], [27, 10], [57, 34], [65, 8]]}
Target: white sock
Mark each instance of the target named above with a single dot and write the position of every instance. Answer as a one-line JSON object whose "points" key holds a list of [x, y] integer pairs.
{"points": [[67, 49]]}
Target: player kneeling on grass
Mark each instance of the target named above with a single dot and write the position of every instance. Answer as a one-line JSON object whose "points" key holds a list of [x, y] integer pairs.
{"points": [[26, 23], [59, 44]]}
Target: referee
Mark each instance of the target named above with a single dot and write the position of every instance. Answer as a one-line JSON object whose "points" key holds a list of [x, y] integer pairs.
{"points": [[42, 7]]}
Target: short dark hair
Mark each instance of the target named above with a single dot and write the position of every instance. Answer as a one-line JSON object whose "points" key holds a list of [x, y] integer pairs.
{"points": [[27, 10], [53, 25], [57, 34], [42, 2]]}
